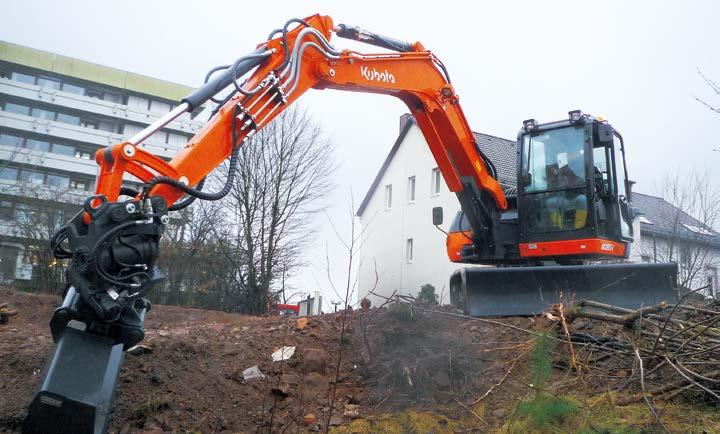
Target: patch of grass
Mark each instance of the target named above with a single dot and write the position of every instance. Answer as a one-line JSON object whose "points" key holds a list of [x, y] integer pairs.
{"points": [[410, 422], [544, 410], [150, 407]]}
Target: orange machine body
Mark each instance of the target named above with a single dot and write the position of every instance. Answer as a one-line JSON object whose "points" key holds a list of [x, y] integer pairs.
{"points": [[414, 77]]}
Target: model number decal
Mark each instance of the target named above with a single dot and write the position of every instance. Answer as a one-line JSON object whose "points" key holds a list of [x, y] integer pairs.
{"points": [[50, 401], [606, 246], [375, 75]]}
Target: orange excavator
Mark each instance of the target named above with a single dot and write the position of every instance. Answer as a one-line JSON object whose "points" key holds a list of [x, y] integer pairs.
{"points": [[566, 208]]}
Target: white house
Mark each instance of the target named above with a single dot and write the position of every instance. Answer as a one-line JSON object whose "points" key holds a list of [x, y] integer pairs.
{"points": [[401, 250], [399, 244]]}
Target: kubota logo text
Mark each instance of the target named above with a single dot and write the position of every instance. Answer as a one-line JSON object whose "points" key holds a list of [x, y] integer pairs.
{"points": [[607, 246], [374, 75]]}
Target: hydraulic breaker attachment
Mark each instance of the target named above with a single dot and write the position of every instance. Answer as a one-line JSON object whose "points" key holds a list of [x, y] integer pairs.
{"points": [[511, 291], [78, 386]]}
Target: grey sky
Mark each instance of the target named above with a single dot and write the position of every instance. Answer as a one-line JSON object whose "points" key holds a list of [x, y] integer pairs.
{"points": [[632, 62]]}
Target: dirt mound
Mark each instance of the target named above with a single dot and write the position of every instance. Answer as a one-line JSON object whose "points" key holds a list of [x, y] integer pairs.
{"points": [[404, 369], [191, 379]]}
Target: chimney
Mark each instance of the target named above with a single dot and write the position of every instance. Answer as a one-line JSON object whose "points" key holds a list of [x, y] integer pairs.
{"points": [[404, 119], [629, 189]]}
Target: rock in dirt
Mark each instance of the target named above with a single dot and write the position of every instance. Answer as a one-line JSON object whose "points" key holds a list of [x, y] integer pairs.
{"points": [[314, 361], [352, 411], [335, 421], [310, 419], [138, 350], [283, 353], [253, 373]]}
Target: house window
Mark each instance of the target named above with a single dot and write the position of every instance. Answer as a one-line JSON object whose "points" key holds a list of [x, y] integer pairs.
{"points": [[9, 173], [78, 185], [409, 250], [68, 119], [71, 88], [686, 255], [112, 97], [89, 123], [43, 114], [57, 148], [17, 108], [138, 103], [37, 145], [48, 83], [435, 182], [32, 177], [23, 78], [93, 94], [83, 155], [10, 140], [58, 181], [388, 196], [159, 106], [411, 189], [645, 259], [7, 212], [106, 126]]}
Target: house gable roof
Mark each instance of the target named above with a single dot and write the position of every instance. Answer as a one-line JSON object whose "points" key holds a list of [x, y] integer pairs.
{"points": [[501, 152], [661, 218]]}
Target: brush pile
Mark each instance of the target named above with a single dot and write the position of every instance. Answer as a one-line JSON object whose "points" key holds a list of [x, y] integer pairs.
{"points": [[653, 353]]}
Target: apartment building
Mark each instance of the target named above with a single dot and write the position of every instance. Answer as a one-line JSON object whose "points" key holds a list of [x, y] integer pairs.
{"points": [[55, 113]]}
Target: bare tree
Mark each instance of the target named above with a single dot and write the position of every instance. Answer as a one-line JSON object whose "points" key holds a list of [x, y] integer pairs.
{"points": [[713, 87], [247, 248], [193, 258], [686, 231], [38, 213], [282, 175]]}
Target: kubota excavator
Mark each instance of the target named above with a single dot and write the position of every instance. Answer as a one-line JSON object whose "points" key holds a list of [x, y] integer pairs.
{"points": [[563, 210]]}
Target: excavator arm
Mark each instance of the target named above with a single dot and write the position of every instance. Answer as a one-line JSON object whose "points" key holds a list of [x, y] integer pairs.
{"points": [[113, 245], [413, 75]]}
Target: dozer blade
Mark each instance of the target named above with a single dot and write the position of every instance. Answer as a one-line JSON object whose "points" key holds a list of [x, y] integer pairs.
{"points": [[518, 291]]}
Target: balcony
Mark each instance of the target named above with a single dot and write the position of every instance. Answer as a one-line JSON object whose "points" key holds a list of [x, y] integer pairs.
{"points": [[42, 192], [92, 105], [48, 160], [81, 134]]}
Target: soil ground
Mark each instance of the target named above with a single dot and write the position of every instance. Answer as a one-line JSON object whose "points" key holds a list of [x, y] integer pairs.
{"points": [[402, 370]]}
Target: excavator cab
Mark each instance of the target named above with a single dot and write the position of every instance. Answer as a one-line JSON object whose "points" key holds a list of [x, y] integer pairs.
{"points": [[569, 211], [572, 190]]}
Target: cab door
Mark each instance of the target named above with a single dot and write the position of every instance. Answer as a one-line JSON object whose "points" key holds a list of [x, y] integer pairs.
{"points": [[609, 184]]}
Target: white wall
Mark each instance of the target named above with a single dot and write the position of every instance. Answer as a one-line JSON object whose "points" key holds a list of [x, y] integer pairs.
{"points": [[385, 232]]}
